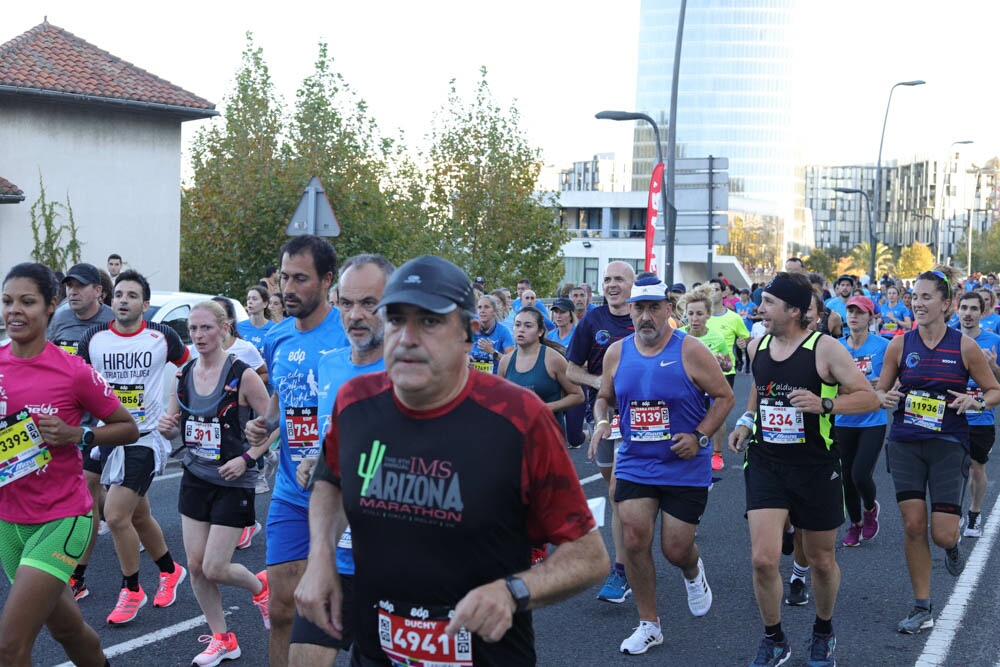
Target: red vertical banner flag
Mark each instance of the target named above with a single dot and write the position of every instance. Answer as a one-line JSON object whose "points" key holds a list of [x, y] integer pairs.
{"points": [[652, 209]]}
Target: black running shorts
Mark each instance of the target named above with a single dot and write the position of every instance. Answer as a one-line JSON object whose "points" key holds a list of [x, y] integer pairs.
{"points": [[812, 493], [91, 465], [140, 463], [686, 503], [940, 467], [231, 506], [305, 631], [981, 442]]}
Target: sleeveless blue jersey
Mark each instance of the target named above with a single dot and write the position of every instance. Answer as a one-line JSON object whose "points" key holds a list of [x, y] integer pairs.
{"points": [[925, 377], [986, 340], [656, 400], [868, 359]]}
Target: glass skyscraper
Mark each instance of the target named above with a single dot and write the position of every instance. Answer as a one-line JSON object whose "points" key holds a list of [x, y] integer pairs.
{"points": [[734, 99]]}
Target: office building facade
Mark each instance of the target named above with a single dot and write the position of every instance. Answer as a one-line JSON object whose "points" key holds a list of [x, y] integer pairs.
{"points": [[735, 99]]}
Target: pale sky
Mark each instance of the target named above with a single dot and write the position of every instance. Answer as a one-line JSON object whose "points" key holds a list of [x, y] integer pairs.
{"points": [[562, 61]]}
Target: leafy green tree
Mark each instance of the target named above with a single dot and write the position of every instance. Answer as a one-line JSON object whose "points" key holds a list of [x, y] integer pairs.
{"points": [[860, 259], [373, 187], [985, 250], [51, 248], [914, 260], [481, 180], [820, 262], [244, 191]]}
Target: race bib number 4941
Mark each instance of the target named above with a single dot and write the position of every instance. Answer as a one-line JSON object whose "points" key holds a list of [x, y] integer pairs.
{"points": [[413, 636]]}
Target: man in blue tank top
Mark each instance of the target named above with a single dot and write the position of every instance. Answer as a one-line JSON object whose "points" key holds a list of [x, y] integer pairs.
{"points": [[792, 467], [660, 382]]}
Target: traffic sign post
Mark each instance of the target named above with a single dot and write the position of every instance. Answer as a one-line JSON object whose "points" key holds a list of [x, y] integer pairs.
{"points": [[701, 199], [313, 215]]}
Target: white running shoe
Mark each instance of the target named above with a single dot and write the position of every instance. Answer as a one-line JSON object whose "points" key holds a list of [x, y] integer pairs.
{"points": [[646, 635], [103, 528], [699, 593]]}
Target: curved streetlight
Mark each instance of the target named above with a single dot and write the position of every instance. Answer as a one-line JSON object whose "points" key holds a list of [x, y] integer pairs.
{"points": [[878, 165], [669, 220], [872, 241]]}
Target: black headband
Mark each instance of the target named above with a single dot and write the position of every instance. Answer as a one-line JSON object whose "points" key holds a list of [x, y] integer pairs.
{"points": [[795, 295]]}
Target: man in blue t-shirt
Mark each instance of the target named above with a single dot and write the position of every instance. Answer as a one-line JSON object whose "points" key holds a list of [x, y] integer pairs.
{"points": [[982, 423], [362, 281], [292, 350], [524, 285], [595, 333], [843, 287]]}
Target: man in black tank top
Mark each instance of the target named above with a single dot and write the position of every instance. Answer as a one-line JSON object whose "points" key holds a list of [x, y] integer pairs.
{"points": [[801, 379]]}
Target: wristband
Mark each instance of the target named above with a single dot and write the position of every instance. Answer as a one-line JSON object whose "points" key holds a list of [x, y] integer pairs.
{"points": [[746, 421], [249, 460], [603, 421]]}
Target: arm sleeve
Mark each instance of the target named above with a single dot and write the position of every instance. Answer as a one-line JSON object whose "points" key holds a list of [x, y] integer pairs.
{"points": [[322, 470], [506, 337], [557, 509], [177, 352], [741, 327], [579, 350], [83, 347]]}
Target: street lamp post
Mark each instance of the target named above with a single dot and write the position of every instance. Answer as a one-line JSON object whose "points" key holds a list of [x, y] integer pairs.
{"points": [[668, 174], [872, 238], [666, 188], [878, 165]]}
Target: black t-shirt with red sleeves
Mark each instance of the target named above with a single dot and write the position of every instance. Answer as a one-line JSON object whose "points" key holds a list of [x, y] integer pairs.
{"points": [[445, 500]]}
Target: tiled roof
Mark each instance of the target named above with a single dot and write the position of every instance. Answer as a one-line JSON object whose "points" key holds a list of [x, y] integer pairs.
{"points": [[50, 59], [9, 191]]}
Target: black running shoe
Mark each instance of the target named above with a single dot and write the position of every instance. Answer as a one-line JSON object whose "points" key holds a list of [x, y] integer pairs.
{"points": [[798, 593], [788, 543]]}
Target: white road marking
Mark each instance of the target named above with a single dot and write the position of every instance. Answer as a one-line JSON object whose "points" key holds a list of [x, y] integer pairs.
{"points": [[160, 478], [949, 619], [593, 478], [152, 637]]}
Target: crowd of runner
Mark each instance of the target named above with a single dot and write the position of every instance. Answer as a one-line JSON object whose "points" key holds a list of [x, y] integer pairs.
{"points": [[391, 534]]}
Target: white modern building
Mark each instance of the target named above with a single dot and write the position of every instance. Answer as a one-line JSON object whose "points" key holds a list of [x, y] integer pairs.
{"points": [[609, 226], [101, 134]]}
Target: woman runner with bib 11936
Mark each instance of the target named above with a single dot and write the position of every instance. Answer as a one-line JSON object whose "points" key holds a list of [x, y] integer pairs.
{"points": [[924, 379], [45, 508], [209, 407]]}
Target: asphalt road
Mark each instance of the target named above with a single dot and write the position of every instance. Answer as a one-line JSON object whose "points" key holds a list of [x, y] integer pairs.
{"points": [[874, 594]]}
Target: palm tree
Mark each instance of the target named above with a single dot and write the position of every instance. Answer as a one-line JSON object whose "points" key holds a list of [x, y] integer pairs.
{"points": [[861, 257]]}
